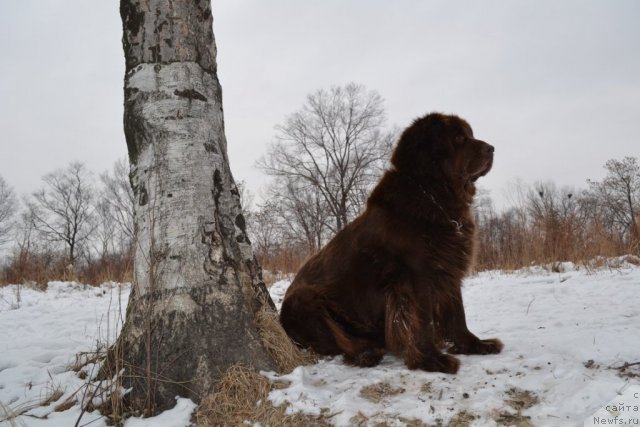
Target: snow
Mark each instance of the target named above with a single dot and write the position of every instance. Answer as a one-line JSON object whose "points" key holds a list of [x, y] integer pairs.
{"points": [[277, 291], [565, 334], [40, 335], [176, 417]]}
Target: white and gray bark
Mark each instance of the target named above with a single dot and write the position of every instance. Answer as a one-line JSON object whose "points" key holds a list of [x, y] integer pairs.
{"points": [[196, 283]]}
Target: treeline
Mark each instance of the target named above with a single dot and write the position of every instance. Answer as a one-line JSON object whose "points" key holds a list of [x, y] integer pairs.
{"points": [[324, 160], [542, 224], [75, 227], [545, 224], [79, 227]]}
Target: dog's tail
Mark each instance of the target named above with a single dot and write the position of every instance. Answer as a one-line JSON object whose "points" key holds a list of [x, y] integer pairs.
{"points": [[312, 320], [348, 342]]}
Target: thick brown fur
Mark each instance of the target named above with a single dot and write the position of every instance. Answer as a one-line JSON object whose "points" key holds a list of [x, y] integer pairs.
{"points": [[391, 279]]}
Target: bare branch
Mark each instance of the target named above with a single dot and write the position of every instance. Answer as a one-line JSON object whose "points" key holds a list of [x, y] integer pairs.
{"points": [[336, 144]]}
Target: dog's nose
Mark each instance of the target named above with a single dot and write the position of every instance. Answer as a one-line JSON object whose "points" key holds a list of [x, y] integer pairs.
{"points": [[484, 148]]}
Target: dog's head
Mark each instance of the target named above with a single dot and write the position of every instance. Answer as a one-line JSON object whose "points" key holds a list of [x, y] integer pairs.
{"points": [[443, 147]]}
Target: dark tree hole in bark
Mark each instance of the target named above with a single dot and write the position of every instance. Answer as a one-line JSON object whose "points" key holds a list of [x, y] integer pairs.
{"points": [[217, 186], [241, 223], [190, 94], [144, 197]]}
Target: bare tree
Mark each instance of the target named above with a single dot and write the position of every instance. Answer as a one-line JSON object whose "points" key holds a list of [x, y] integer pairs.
{"points": [[619, 194], [553, 214], [104, 239], [197, 290], [302, 211], [62, 211], [336, 145], [117, 195], [246, 200], [8, 205], [265, 230]]}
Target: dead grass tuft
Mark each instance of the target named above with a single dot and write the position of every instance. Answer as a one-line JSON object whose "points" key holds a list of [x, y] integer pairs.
{"points": [[628, 370], [241, 395], [461, 419], [521, 399], [283, 351], [514, 420], [84, 358], [361, 420], [426, 387], [412, 422], [68, 403], [55, 395], [7, 415], [379, 391]]}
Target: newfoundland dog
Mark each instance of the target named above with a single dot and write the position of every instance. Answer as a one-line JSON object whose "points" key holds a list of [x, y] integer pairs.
{"points": [[391, 279]]}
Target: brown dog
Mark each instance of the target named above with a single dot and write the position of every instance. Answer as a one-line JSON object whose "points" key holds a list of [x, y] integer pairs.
{"points": [[391, 279]]}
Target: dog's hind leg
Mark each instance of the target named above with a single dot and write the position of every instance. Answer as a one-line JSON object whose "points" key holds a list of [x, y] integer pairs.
{"points": [[310, 320], [358, 351], [409, 332], [303, 318]]}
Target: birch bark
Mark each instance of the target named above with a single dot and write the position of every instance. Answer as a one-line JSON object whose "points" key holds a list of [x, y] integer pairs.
{"points": [[196, 284]]}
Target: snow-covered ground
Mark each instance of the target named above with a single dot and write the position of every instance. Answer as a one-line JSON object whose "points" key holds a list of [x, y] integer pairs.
{"points": [[565, 335], [41, 333]]}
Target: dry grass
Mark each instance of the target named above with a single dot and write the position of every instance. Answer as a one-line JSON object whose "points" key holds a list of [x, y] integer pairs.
{"points": [[286, 259], [41, 268], [283, 351], [54, 396], [628, 370], [68, 403], [242, 395], [8, 416], [379, 391], [519, 400], [461, 419], [84, 358]]}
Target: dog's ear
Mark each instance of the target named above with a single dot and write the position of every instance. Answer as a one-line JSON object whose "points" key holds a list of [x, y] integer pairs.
{"points": [[421, 144], [405, 151]]}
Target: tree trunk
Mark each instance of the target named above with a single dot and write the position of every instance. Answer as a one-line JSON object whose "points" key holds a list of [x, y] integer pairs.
{"points": [[196, 285]]}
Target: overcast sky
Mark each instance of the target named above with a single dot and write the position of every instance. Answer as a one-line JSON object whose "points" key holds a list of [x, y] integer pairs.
{"points": [[553, 85]]}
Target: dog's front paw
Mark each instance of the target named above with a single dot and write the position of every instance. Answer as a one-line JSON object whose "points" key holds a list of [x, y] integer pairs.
{"points": [[477, 346], [436, 363], [489, 346]]}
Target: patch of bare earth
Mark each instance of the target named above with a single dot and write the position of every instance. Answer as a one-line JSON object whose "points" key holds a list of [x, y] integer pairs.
{"points": [[461, 419], [361, 420], [519, 400], [379, 391]]}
